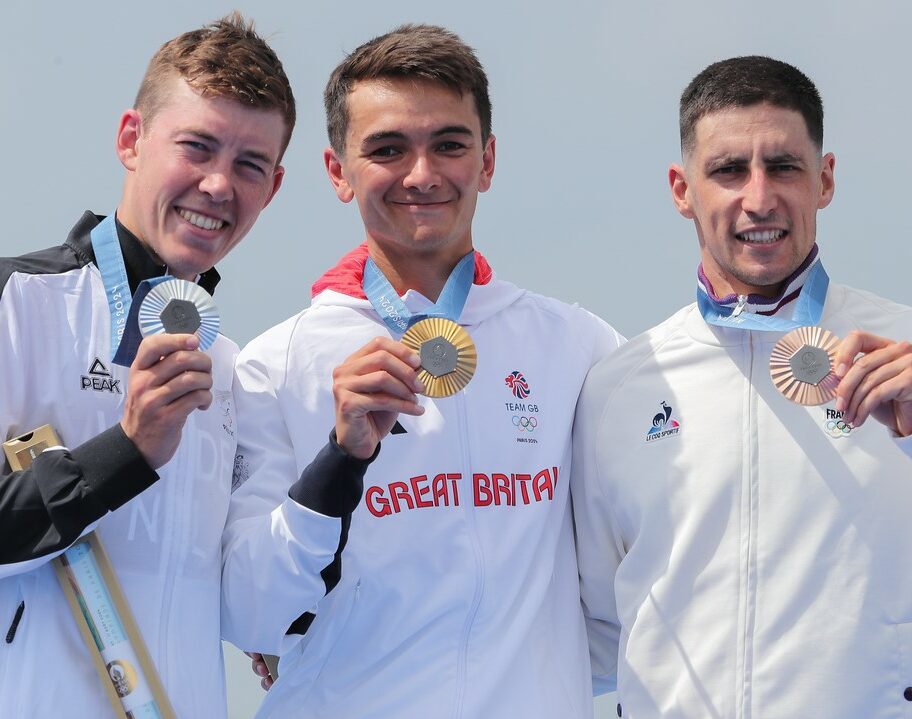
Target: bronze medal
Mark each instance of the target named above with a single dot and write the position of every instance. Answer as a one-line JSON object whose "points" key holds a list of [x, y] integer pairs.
{"points": [[801, 365], [448, 355]]}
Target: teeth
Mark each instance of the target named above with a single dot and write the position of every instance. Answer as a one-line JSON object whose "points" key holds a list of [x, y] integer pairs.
{"points": [[206, 223], [761, 236]]}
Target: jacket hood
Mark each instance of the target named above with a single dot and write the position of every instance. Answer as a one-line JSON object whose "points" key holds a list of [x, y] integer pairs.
{"points": [[341, 285]]}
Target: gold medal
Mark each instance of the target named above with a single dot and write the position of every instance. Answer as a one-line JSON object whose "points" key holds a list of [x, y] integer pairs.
{"points": [[448, 355], [801, 365]]}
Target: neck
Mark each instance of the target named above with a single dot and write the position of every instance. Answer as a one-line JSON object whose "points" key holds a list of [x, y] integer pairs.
{"points": [[406, 270]]}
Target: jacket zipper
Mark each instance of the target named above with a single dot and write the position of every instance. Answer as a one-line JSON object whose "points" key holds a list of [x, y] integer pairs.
{"points": [[463, 647], [739, 308], [750, 607], [11, 633]]}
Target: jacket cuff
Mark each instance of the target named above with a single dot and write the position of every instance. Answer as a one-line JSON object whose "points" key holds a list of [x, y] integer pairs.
{"points": [[333, 483], [113, 467]]}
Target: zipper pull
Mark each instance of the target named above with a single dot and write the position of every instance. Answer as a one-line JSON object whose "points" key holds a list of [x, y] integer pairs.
{"points": [[739, 308], [11, 634]]}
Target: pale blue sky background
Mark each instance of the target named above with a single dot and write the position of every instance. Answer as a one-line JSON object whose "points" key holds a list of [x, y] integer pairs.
{"points": [[585, 112]]}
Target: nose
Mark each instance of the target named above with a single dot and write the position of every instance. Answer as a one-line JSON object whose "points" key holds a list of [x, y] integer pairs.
{"points": [[422, 176], [759, 194], [216, 183]]}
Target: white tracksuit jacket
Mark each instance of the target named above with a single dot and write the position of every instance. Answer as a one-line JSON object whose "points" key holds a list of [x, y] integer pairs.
{"points": [[164, 533], [459, 590], [749, 559]]}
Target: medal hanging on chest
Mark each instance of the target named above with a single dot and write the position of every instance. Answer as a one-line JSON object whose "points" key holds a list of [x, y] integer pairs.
{"points": [[801, 365], [448, 354]]}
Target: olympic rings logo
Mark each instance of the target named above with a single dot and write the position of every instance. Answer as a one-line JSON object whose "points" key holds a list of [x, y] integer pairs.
{"points": [[838, 428], [525, 424]]}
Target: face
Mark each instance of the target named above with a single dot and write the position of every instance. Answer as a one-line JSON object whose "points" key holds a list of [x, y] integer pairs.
{"points": [[198, 175], [415, 163], [752, 184]]}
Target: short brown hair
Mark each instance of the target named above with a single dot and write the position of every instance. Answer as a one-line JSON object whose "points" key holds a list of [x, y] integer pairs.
{"points": [[225, 59], [747, 81], [410, 52]]}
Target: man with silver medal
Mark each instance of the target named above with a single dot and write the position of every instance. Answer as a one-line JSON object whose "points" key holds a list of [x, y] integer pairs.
{"points": [[113, 343], [454, 590], [741, 554]]}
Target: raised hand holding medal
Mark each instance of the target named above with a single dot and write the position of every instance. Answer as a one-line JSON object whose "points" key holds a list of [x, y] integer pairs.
{"points": [[448, 355]]}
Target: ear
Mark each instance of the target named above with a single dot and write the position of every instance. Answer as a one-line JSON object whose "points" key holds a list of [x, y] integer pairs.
{"points": [[677, 180], [827, 180], [277, 177], [336, 175], [487, 164], [128, 133]]}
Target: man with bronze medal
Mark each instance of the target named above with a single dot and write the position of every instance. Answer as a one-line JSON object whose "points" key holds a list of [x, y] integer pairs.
{"points": [[454, 591], [117, 409], [742, 552]]}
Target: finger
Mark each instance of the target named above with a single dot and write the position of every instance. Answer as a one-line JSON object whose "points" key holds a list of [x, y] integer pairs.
{"points": [[174, 364], [854, 343], [380, 361], [154, 347], [266, 682], [886, 383], [352, 405], [864, 367], [390, 346], [377, 382]]}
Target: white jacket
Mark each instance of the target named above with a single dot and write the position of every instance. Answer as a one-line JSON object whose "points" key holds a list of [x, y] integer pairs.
{"points": [[748, 558], [459, 591], [164, 543]]}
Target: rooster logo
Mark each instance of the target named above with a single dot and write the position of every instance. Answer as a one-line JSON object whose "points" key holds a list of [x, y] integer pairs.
{"points": [[662, 421]]}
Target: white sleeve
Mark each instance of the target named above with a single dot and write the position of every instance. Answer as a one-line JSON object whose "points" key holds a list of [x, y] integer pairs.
{"points": [[598, 552], [274, 548]]}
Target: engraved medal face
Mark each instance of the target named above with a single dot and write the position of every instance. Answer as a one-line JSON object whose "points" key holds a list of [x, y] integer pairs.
{"points": [[810, 364], [448, 355], [178, 306], [180, 317], [438, 356], [801, 365]]}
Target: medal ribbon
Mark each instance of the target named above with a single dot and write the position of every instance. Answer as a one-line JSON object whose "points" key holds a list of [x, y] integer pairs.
{"points": [[808, 308], [124, 307], [392, 309]]}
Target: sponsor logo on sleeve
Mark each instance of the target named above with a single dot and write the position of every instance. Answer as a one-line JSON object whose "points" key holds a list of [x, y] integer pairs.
{"points": [[663, 425]]}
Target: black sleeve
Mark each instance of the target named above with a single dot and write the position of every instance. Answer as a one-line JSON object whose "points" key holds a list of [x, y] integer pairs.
{"points": [[332, 484], [46, 507]]}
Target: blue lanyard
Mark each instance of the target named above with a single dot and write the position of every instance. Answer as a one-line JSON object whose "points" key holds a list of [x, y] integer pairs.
{"points": [[808, 308], [392, 309], [125, 334]]}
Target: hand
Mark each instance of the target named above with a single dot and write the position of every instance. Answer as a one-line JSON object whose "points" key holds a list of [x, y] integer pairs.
{"points": [[371, 388], [168, 380], [258, 665], [877, 384]]}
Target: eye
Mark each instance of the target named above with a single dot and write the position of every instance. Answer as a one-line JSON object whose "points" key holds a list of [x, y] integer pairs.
{"points": [[783, 167], [727, 170], [450, 146], [194, 145], [385, 152], [252, 166]]}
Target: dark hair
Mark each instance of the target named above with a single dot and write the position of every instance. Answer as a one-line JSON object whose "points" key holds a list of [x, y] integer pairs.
{"points": [[746, 81], [225, 59], [411, 52]]}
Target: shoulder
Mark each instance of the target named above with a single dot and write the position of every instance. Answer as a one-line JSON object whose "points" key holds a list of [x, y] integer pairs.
{"points": [[51, 261], [869, 311]]}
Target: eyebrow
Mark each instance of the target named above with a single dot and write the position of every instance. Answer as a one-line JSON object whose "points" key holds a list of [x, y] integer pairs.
{"points": [[782, 158], [384, 135], [253, 154]]}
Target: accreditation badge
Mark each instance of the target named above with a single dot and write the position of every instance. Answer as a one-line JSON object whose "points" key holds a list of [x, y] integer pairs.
{"points": [[447, 352], [179, 307], [801, 365]]}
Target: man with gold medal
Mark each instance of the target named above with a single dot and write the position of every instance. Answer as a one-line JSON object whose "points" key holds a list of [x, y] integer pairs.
{"points": [[454, 591], [742, 481]]}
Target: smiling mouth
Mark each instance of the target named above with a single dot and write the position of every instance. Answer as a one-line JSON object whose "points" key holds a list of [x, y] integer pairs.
{"points": [[761, 237], [204, 222]]}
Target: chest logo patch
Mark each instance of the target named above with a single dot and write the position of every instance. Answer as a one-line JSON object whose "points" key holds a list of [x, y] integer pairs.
{"points": [[835, 426], [663, 426], [523, 415], [98, 379]]}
